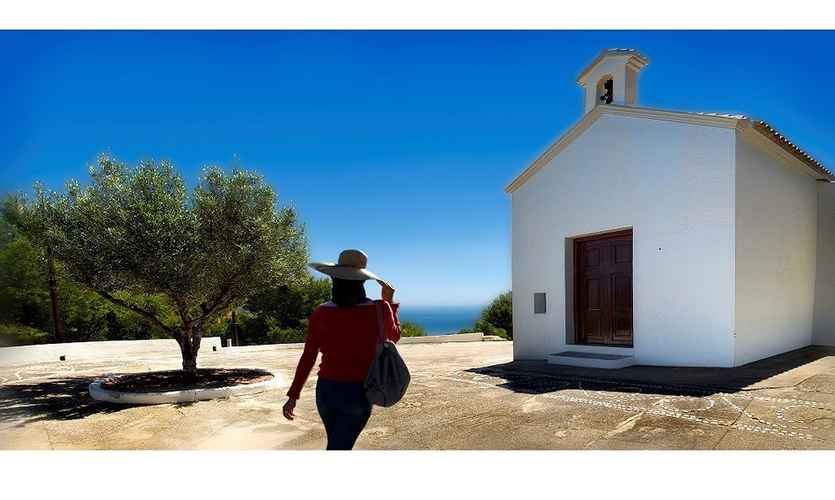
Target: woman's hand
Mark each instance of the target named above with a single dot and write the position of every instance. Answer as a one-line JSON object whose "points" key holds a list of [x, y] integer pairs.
{"points": [[388, 291], [289, 406]]}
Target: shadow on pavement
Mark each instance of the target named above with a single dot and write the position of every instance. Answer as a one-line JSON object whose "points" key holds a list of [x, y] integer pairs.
{"points": [[539, 377], [60, 399], [531, 381]]}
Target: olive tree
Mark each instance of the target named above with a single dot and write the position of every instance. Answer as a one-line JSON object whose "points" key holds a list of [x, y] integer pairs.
{"points": [[134, 235]]}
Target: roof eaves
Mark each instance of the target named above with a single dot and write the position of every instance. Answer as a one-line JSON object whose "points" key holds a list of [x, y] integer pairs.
{"points": [[554, 149], [769, 132]]}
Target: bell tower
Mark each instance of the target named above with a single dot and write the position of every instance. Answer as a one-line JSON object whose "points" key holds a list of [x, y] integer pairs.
{"points": [[612, 78]]}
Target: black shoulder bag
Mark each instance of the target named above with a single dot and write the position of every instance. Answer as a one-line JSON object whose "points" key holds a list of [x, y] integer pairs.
{"points": [[388, 378]]}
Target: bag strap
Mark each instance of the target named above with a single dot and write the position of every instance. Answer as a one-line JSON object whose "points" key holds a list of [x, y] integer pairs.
{"points": [[380, 319]]}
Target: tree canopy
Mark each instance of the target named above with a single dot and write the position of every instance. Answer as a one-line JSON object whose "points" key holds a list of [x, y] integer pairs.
{"points": [[135, 237]]}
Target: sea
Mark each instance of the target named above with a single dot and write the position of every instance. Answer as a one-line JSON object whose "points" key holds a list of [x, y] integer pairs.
{"points": [[441, 320]]}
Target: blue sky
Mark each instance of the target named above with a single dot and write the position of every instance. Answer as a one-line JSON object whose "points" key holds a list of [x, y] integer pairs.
{"points": [[399, 143]]}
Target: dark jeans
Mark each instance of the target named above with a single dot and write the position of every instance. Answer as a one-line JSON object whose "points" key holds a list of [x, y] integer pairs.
{"points": [[344, 410]]}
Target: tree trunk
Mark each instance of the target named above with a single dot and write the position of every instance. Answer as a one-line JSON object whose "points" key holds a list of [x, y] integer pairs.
{"points": [[189, 365], [189, 345]]}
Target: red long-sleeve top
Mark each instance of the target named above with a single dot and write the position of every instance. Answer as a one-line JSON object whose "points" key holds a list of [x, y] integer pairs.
{"points": [[347, 338]]}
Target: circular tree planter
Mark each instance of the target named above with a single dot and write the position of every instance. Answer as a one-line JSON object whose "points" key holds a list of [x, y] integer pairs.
{"points": [[150, 388]]}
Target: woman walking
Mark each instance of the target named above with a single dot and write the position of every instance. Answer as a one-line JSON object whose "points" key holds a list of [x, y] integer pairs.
{"points": [[346, 331]]}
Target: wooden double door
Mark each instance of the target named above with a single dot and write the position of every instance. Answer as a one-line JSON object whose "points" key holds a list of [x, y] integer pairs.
{"points": [[603, 289]]}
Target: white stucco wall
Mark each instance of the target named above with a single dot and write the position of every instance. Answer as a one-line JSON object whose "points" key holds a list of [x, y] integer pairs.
{"points": [[673, 183], [823, 331], [775, 260]]}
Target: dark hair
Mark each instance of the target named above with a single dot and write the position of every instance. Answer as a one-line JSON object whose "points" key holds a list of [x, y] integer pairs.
{"points": [[348, 293]]}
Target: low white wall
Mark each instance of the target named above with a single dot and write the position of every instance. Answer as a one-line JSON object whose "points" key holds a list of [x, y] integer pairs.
{"points": [[429, 339], [18, 355]]}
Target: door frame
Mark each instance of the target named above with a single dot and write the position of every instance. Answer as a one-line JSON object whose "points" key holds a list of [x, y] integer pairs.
{"points": [[572, 264]]}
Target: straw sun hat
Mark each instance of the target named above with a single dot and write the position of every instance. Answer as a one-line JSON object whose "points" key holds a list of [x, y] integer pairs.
{"points": [[351, 266]]}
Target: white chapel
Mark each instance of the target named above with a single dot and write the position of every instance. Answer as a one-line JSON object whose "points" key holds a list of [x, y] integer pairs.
{"points": [[669, 238]]}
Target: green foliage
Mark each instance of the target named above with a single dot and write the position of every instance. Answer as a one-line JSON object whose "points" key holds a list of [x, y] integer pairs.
{"points": [[24, 290], [278, 335], [26, 307], [499, 313], [13, 334], [279, 314], [288, 305], [496, 319], [276, 315], [137, 239], [135, 230], [408, 329], [261, 329]]}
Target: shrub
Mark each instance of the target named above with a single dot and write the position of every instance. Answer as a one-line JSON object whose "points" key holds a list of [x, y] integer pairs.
{"points": [[411, 330], [293, 335], [12, 335], [496, 319]]}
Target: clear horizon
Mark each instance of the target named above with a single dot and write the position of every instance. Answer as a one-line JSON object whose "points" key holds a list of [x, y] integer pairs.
{"points": [[399, 143]]}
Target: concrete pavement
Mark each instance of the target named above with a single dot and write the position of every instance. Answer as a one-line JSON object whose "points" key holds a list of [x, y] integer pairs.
{"points": [[463, 396]]}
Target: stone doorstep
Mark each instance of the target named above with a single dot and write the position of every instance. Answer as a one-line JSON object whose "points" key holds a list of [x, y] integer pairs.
{"points": [[591, 359]]}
